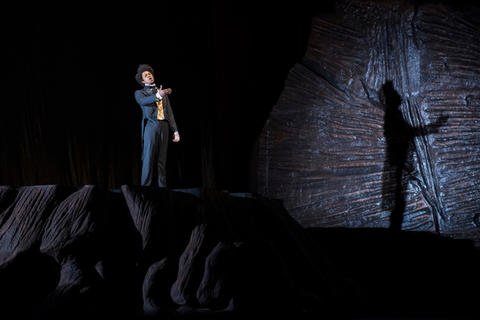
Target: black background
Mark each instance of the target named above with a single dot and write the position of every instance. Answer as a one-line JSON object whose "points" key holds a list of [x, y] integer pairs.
{"points": [[68, 113]]}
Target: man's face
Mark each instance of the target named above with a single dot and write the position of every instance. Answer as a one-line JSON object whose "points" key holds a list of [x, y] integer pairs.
{"points": [[147, 78]]}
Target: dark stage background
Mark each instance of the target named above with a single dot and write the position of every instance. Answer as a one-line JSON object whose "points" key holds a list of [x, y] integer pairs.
{"points": [[68, 113]]}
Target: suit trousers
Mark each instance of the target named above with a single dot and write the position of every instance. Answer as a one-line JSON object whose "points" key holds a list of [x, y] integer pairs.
{"points": [[155, 145]]}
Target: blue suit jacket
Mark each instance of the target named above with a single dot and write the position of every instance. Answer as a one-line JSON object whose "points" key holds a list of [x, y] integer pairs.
{"points": [[147, 101]]}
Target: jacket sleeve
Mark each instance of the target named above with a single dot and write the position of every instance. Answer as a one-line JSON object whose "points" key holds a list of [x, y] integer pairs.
{"points": [[169, 114], [144, 99]]}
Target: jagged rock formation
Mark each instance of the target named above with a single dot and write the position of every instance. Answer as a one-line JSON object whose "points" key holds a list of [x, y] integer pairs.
{"points": [[74, 253], [377, 125]]}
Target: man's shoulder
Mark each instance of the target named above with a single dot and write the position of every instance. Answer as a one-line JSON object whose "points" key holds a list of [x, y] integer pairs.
{"points": [[140, 91]]}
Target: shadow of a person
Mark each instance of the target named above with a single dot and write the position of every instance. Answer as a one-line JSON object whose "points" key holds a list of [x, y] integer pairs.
{"points": [[399, 137], [400, 148]]}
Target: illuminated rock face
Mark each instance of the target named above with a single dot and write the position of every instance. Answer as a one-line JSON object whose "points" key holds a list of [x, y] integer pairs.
{"points": [[377, 125]]}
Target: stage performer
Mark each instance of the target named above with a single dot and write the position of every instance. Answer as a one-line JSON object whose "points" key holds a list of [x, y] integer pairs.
{"points": [[157, 123]]}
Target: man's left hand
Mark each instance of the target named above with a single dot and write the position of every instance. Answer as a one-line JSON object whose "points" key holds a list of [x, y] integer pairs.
{"points": [[176, 137]]}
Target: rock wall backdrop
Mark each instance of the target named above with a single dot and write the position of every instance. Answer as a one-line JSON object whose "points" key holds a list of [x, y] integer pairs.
{"points": [[378, 124]]}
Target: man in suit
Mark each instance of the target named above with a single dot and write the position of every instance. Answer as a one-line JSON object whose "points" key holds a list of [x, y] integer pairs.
{"points": [[157, 121]]}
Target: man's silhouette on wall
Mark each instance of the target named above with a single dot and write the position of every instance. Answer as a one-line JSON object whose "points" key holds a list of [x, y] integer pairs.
{"points": [[400, 147]]}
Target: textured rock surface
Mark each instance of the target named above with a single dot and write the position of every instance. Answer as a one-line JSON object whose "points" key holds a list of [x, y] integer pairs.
{"points": [[73, 253], [377, 126], [140, 252]]}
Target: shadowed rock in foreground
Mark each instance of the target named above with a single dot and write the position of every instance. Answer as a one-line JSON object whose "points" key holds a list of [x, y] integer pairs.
{"points": [[78, 252], [141, 252]]}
